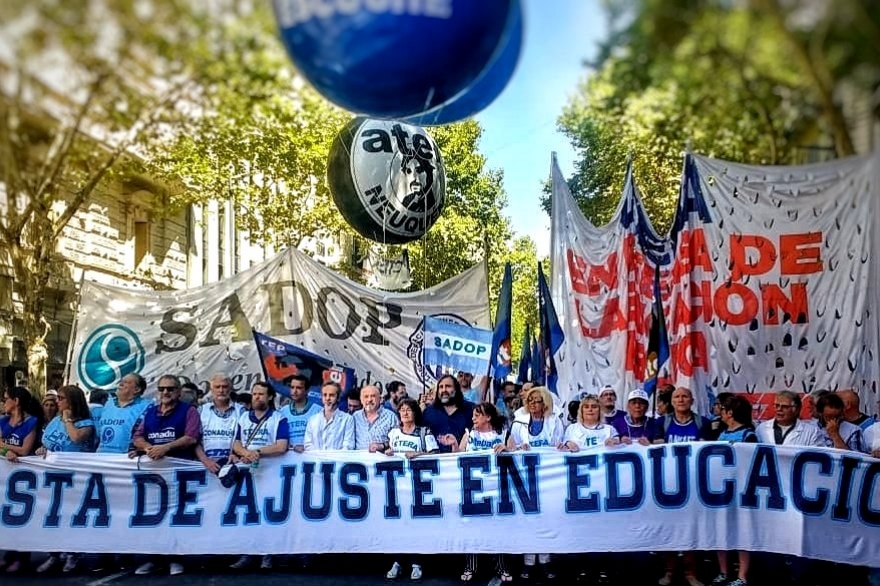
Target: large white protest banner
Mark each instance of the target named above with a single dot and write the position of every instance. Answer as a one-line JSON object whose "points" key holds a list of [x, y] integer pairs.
{"points": [[775, 278], [197, 332], [818, 503], [603, 288]]}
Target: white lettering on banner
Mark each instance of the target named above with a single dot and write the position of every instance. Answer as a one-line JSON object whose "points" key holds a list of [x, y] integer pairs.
{"points": [[740, 496], [293, 12], [196, 332]]}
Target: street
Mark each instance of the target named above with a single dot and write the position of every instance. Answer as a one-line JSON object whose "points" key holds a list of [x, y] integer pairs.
{"points": [[439, 570]]}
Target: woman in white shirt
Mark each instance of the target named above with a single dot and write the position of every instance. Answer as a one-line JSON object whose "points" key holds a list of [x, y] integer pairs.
{"points": [[589, 431], [410, 440], [486, 434], [536, 428]]}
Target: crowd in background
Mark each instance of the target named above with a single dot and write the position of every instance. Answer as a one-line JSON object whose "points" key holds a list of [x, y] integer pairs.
{"points": [[225, 431]]}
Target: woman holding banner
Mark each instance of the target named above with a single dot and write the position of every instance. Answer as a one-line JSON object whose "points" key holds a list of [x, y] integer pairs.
{"points": [[19, 436], [486, 434], [71, 431], [536, 428], [411, 439]]}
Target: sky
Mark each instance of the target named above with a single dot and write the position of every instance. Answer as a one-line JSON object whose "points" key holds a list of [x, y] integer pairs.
{"points": [[519, 128]]}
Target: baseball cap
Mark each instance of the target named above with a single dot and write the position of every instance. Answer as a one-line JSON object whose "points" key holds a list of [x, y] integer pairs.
{"points": [[637, 394], [607, 389]]}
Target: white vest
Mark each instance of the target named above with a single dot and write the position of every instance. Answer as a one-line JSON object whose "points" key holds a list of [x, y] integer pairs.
{"points": [[483, 440], [218, 432], [265, 435]]}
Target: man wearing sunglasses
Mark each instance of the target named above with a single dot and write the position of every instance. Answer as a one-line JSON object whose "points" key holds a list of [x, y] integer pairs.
{"points": [[169, 428]]}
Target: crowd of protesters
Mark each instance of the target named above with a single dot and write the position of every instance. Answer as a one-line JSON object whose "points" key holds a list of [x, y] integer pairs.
{"points": [[222, 429]]}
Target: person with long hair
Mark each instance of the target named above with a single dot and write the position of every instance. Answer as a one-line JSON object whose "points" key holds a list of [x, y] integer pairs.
{"points": [[73, 430], [410, 439], [450, 413], [736, 415], [536, 428], [19, 436], [486, 434]]}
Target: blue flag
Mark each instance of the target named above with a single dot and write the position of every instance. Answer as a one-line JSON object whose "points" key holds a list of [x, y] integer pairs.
{"points": [[525, 357], [457, 346], [281, 361], [658, 342], [552, 336], [501, 358], [536, 366]]}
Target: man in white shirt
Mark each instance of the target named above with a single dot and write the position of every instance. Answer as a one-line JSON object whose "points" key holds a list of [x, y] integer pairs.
{"points": [[330, 429], [786, 429]]}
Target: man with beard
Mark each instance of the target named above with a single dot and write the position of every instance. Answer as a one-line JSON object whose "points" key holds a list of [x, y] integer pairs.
{"points": [[262, 432], [396, 394], [330, 428], [450, 413], [372, 423]]}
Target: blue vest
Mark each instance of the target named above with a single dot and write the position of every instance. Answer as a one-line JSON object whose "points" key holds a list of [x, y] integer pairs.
{"points": [[164, 429], [15, 435], [743, 434], [116, 425]]}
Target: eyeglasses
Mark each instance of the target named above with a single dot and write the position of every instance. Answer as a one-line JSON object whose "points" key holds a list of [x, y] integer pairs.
{"points": [[537, 401], [778, 406], [167, 389], [61, 398]]}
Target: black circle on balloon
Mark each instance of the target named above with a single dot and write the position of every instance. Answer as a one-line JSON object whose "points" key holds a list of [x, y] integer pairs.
{"points": [[387, 179]]}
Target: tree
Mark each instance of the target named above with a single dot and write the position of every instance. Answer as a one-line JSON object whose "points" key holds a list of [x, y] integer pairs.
{"points": [[709, 73], [523, 258], [82, 94]]}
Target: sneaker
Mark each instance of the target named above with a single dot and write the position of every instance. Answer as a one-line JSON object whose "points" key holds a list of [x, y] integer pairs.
{"points": [[175, 569], [416, 572], [71, 563], [719, 580], [692, 581], [666, 580], [47, 565], [738, 582], [145, 569], [266, 562], [241, 563], [393, 572]]}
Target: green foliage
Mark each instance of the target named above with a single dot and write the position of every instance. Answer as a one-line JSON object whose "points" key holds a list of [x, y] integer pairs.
{"points": [[706, 72]]}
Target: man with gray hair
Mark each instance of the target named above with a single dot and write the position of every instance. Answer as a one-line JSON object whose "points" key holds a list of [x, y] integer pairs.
{"points": [[372, 423], [786, 428], [219, 418]]}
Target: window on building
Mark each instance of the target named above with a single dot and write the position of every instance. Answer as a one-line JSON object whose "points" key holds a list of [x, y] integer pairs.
{"points": [[141, 241]]}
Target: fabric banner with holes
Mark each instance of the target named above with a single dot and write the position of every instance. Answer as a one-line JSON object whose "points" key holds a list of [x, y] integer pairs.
{"points": [[198, 332], [603, 290], [811, 502], [775, 280]]}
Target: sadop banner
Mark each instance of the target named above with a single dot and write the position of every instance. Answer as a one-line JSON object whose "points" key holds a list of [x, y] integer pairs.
{"points": [[198, 332], [460, 347], [775, 280], [602, 283], [815, 503]]}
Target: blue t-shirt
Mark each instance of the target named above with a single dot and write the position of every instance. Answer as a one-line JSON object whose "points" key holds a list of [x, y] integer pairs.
{"points": [[56, 438], [677, 433], [116, 425], [14, 435]]}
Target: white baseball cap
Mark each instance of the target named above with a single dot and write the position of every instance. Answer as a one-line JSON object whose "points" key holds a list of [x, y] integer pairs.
{"points": [[637, 394], [607, 389]]}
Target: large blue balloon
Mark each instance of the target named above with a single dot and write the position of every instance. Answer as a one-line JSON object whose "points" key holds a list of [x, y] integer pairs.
{"points": [[488, 86], [393, 58]]}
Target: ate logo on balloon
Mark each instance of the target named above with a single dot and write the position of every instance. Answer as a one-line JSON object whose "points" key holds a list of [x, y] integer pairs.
{"points": [[387, 179]]}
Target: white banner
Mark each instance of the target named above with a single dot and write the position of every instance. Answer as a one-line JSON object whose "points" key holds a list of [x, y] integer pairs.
{"points": [[775, 280], [603, 289], [816, 503], [197, 332], [388, 274]]}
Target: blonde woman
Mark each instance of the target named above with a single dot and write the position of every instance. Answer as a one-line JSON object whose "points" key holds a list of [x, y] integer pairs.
{"points": [[589, 431], [536, 428]]}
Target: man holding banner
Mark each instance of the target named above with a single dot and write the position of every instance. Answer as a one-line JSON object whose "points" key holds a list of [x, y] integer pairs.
{"points": [[299, 411], [330, 429], [373, 423]]}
